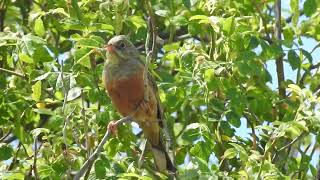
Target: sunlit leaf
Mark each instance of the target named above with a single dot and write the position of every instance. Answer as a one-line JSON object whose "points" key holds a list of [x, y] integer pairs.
{"points": [[36, 91], [230, 153], [38, 27], [36, 132]]}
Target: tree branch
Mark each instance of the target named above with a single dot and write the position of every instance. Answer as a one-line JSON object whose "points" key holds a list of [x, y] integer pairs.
{"points": [[6, 135], [292, 142], [150, 51], [96, 153], [279, 60], [265, 156], [34, 167], [12, 73]]}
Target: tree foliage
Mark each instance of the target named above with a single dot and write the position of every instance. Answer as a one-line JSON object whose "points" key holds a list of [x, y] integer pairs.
{"points": [[213, 80]]}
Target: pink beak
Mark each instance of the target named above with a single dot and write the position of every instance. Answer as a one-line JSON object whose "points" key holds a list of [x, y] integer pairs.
{"points": [[110, 48]]}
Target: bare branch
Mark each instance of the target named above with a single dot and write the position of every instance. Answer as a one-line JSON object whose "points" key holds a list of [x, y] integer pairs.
{"points": [[15, 158], [279, 60], [292, 142], [12, 73], [6, 135], [96, 153], [34, 167], [151, 40]]}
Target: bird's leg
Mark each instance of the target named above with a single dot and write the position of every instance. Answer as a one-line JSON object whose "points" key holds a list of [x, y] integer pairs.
{"points": [[112, 127]]}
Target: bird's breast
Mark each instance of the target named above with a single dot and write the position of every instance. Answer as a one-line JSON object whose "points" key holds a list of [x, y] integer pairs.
{"points": [[126, 92]]}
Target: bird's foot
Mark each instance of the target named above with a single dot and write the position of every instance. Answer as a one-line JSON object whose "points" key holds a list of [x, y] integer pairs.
{"points": [[112, 127]]}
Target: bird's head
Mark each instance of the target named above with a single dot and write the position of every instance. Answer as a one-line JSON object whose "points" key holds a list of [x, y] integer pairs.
{"points": [[119, 49]]}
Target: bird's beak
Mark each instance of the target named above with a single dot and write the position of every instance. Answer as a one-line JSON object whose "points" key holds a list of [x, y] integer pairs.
{"points": [[110, 48]]}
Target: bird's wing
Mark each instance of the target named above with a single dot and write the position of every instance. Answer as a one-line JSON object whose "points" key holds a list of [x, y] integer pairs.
{"points": [[160, 113]]}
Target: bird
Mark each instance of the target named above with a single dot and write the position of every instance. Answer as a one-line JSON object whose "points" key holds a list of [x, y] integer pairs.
{"points": [[123, 78]]}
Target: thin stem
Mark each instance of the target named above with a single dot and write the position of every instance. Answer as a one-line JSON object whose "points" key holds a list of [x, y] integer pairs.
{"points": [[151, 54], [213, 44], [35, 171], [12, 73], [6, 135], [14, 160], [254, 136], [265, 156], [96, 153], [292, 142]]}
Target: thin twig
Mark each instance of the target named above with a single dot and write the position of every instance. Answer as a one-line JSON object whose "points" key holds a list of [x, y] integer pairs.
{"points": [[292, 142], [301, 175], [12, 73], [141, 158], [96, 153], [6, 135], [34, 167], [66, 119], [213, 44], [265, 156], [151, 53], [14, 160], [263, 19], [254, 136]]}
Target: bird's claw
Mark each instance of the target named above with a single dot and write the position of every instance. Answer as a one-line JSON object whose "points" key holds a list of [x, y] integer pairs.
{"points": [[112, 127]]}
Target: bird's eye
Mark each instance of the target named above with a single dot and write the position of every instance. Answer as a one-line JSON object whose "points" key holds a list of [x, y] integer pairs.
{"points": [[122, 45]]}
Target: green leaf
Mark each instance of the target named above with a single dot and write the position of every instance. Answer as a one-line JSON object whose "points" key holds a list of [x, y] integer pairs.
{"points": [[293, 59], [42, 77], [230, 153], [91, 42], [307, 55], [288, 34], [59, 11], [13, 176], [36, 132], [74, 93], [82, 57], [137, 21], [100, 169], [38, 26], [36, 91], [6, 151], [294, 5], [33, 38], [201, 18], [133, 176], [25, 58], [76, 9], [309, 7], [227, 25], [41, 54], [295, 88], [186, 3], [162, 13], [45, 171], [242, 152]]}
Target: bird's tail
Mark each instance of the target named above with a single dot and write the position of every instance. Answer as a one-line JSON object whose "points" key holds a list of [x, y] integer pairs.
{"points": [[162, 158]]}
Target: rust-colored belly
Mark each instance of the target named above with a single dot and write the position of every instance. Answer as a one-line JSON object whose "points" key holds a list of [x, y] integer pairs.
{"points": [[126, 93]]}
